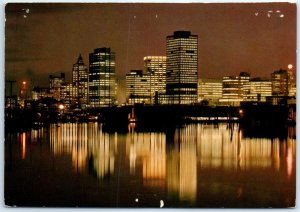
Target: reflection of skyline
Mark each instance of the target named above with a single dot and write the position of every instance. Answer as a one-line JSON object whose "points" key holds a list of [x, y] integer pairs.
{"points": [[86, 145], [237, 152], [182, 165], [172, 163], [150, 149]]}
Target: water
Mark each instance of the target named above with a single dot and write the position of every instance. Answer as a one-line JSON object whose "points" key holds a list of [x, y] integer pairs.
{"points": [[194, 166]]}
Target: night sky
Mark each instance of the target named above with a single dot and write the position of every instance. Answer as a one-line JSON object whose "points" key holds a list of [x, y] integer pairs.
{"points": [[43, 39]]}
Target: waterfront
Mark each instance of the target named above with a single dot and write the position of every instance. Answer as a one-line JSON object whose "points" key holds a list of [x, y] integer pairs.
{"points": [[195, 165]]}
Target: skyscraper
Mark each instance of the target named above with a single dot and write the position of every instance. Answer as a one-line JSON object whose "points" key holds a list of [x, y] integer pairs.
{"points": [[102, 85], [80, 81], [182, 68], [156, 69]]}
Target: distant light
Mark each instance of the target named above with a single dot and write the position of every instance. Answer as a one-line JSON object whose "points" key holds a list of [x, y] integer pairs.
{"points": [[61, 107], [278, 11], [270, 11], [269, 15], [136, 200], [281, 16], [290, 66], [24, 82], [256, 14], [162, 203], [27, 10], [241, 111]]}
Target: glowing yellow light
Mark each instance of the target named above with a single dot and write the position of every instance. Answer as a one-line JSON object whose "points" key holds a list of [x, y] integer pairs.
{"points": [[241, 111], [23, 146], [61, 107], [24, 82], [290, 66]]}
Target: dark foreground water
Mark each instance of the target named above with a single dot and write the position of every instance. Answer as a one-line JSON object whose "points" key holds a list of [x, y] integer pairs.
{"points": [[194, 166]]}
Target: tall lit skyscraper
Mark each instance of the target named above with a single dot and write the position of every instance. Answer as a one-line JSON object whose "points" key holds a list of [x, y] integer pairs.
{"points": [[102, 85], [156, 69], [182, 68], [80, 81]]}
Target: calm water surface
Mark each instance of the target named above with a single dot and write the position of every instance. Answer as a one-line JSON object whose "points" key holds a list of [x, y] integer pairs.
{"points": [[194, 166]]}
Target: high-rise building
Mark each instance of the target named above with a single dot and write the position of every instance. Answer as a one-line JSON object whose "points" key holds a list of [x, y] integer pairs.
{"points": [[102, 84], [182, 68], [210, 90], [137, 87], [280, 83], [156, 69], [56, 83], [235, 89], [80, 81]]}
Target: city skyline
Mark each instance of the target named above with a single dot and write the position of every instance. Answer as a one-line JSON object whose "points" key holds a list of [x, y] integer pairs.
{"points": [[258, 38]]}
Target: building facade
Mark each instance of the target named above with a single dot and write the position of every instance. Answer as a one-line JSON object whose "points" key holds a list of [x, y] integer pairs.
{"points": [[260, 89], [55, 84], [138, 88], [39, 93], [80, 81], [155, 67], [235, 89], [102, 76], [280, 83], [69, 94], [292, 82], [210, 90], [182, 68]]}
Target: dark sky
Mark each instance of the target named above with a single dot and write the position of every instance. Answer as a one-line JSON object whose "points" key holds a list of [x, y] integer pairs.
{"points": [[47, 38]]}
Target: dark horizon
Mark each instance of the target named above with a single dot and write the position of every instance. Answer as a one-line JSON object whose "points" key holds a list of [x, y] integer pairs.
{"points": [[46, 38]]}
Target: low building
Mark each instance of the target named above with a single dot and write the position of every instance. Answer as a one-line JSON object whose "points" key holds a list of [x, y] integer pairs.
{"points": [[210, 90], [260, 89], [138, 87]]}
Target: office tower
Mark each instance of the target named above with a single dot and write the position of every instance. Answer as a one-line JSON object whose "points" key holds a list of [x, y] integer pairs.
{"points": [[182, 68], [102, 85], [155, 67], [235, 89], [80, 81], [280, 83], [260, 89], [210, 90], [56, 84], [137, 87]]}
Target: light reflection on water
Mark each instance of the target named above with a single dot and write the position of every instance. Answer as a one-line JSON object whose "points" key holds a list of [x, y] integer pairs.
{"points": [[186, 164]]}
